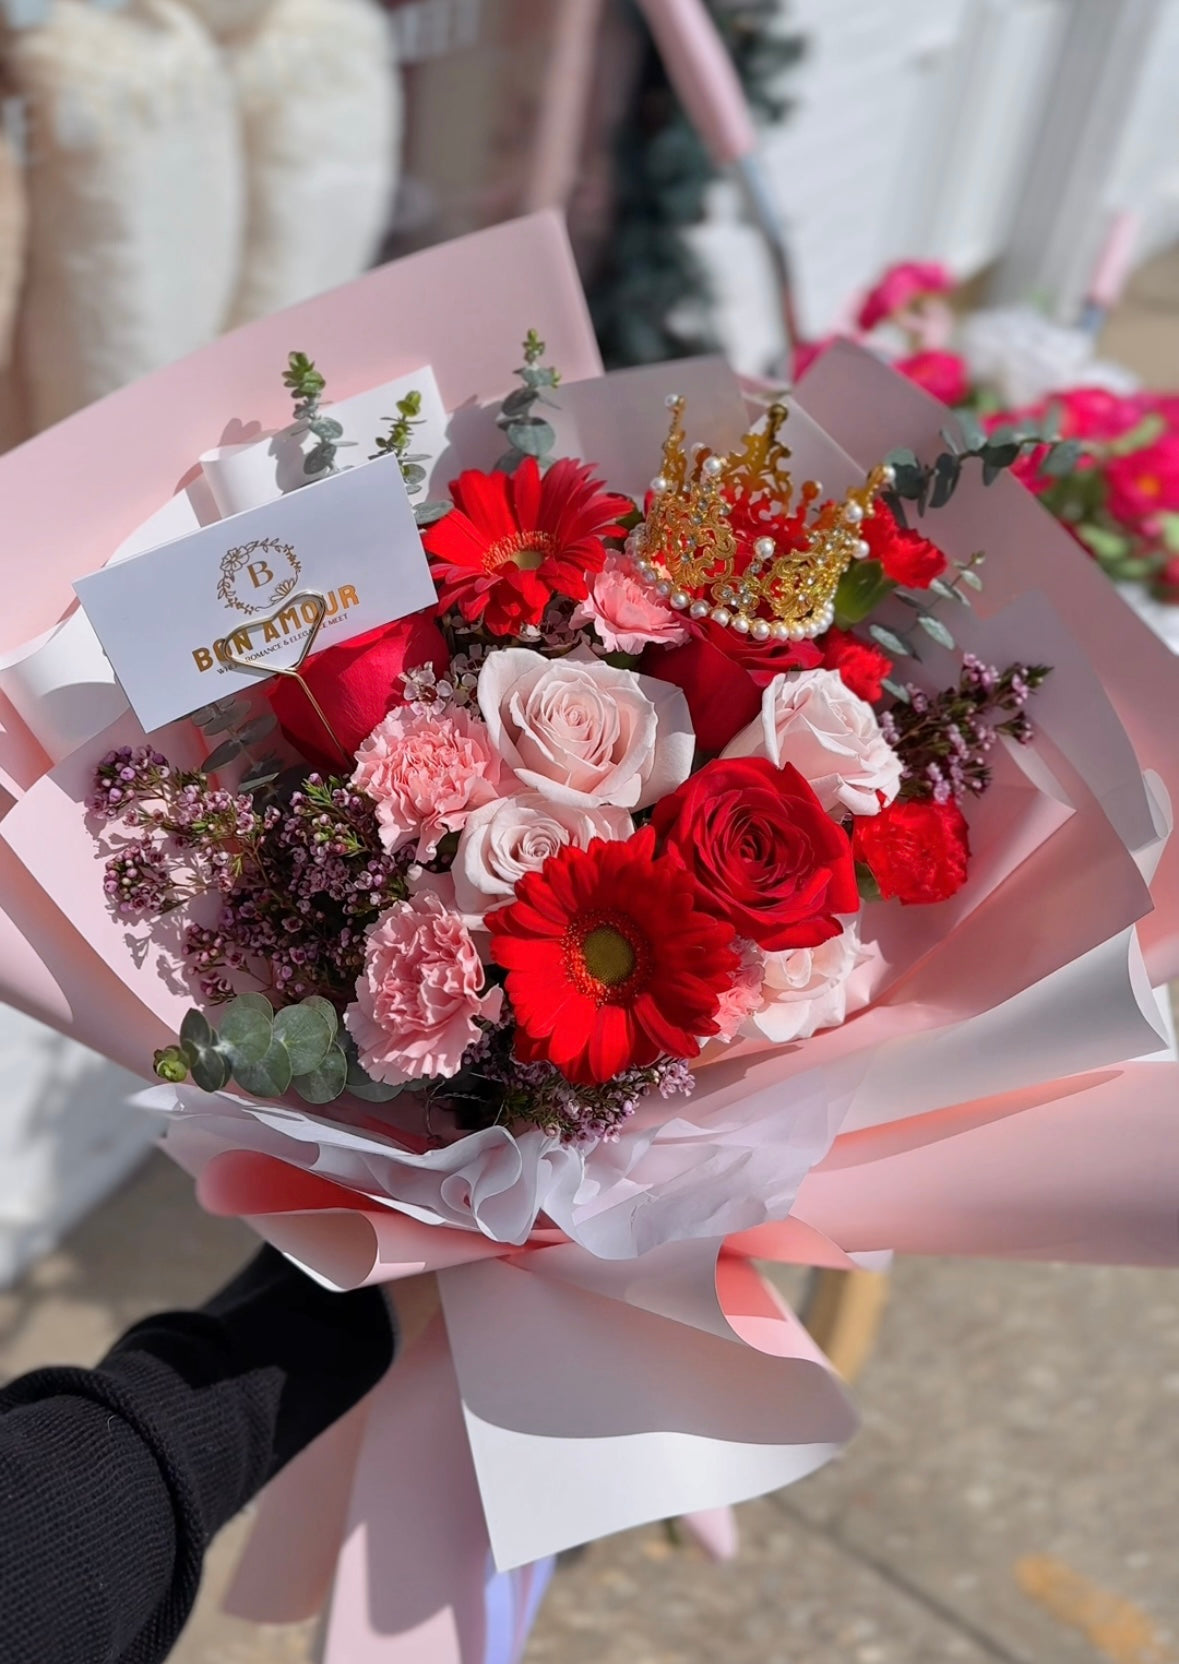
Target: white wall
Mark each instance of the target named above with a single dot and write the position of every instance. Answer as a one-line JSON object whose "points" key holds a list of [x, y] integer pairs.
{"points": [[952, 130]]}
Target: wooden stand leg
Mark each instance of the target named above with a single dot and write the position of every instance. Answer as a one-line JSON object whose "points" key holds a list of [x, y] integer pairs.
{"points": [[843, 1316]]}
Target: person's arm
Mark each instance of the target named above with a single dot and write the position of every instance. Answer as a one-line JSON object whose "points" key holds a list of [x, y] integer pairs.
{"points": [[113, 1480]]}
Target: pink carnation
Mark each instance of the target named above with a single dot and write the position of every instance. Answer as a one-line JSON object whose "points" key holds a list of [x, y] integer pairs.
{"points": [[626, 614], [426, 774], [900, 286], [419, 994], [744, 997]]}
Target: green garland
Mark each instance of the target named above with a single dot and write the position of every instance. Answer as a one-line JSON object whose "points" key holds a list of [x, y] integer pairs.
{"points": [[650, 297]]}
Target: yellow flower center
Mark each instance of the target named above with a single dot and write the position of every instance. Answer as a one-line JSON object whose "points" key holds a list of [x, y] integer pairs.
{"points": [[1150, 485], [608, 956], [527, 550]]}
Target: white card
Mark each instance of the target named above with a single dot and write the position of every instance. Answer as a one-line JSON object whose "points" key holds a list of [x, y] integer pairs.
{"points": [[350, 538]]}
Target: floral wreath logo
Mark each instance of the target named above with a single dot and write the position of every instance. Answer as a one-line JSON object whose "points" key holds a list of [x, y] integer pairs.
{"points": [[258, 575]]}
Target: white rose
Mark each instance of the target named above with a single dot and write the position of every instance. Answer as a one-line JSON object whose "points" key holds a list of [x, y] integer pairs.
{"points": [[582, 732], [805, 989], [831, 736], [515, 835]]}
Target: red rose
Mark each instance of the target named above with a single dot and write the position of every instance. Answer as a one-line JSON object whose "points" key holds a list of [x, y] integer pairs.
{"points": [[722, 676], [861, 664], [355, 683], [917, 852], [907, 558], [766, 856]]}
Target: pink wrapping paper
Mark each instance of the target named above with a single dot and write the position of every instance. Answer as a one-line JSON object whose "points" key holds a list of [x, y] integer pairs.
{"points": [[634, 1364]]}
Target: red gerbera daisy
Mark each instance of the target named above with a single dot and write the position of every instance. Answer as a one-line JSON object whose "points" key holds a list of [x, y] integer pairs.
{"points": [[611, 961], [514, 540]]}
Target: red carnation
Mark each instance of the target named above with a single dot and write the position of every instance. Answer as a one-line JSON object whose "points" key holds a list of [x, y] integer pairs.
{"points": [[907, 558], [917, 852], [861, 664], [514, 540], [355, 684], [765, 854], [612, 962], [722, 676]]}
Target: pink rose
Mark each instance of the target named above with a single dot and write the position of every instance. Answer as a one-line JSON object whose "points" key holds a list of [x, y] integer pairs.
{"points": [[582, 732], [805, 989], [426, 774], [830, 735], [626, 614], [516, 835], [942, 374], [900, 286], [419, 994]]}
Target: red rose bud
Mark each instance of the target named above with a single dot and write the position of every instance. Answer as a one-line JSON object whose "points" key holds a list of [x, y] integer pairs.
{"points": [[907, 558], [1166, 583], [356, 684], [916, 852], [862, 665], [765, 854], [722, 676]]}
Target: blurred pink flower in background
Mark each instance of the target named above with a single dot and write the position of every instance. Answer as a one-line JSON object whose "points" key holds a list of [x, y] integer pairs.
{"points": [[900, 287]]}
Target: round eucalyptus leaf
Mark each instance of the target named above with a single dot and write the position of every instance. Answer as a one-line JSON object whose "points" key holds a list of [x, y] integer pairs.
{"points": [[326, 1081], [254, 1001], [219, 720], [255, 782], [326, 1009], [360, 1084], [934, 628], [225, 753], [427, 514], [210, 1068], [246, 1032], [257, 728], [269, 1077], [890, 642], [534, 437], [195, 1029], [372, 1091], [305, 1035]]}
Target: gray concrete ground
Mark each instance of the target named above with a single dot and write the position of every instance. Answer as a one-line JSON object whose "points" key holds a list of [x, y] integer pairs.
{"points": [[1012, 1496]]}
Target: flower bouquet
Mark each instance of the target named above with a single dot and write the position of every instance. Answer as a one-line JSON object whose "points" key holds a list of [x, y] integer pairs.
{"points": [[719, 867], [1010, 372]]}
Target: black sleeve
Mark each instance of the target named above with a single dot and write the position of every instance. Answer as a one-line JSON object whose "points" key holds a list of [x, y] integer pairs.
{"points": [[113, 1480]]}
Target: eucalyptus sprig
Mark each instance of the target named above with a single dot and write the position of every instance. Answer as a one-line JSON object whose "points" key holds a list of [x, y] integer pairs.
{"points": [[931, 485], [527, 433], [865, 585], [235, 731], [269, 1053], [397, 442], [305, 385]]}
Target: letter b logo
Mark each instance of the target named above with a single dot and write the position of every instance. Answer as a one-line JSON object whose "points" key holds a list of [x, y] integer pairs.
{"points": [[259, 575]]}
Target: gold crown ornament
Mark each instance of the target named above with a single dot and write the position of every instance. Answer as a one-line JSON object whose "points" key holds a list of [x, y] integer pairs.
{"points": [[776, 578]]}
